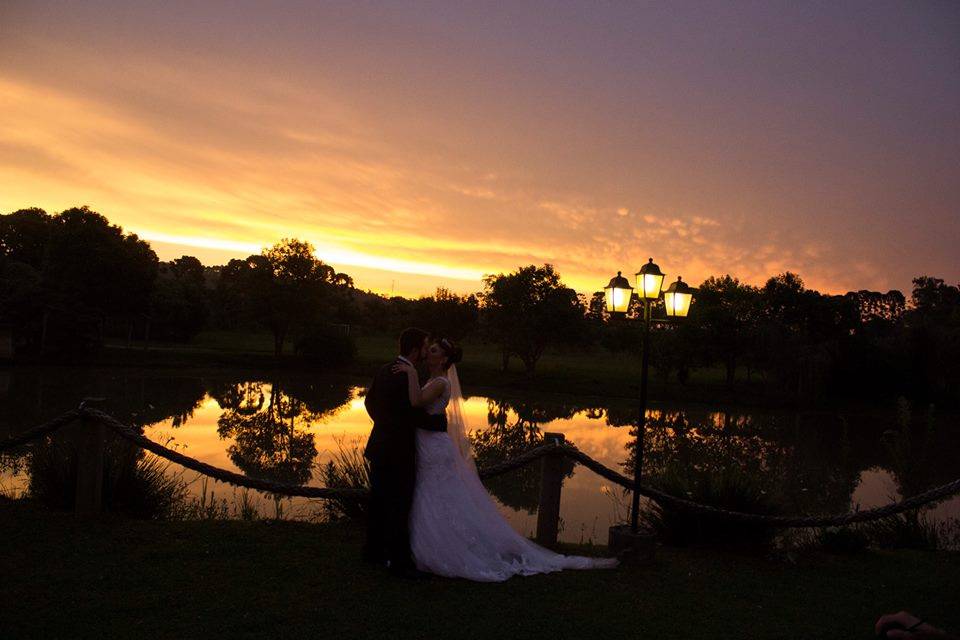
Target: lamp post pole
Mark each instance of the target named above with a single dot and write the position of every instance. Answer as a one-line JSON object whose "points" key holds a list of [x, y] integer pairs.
{"points": [[642, 419]]}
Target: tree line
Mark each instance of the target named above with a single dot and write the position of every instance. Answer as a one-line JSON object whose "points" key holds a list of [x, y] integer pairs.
{"points": [[71, 280]]}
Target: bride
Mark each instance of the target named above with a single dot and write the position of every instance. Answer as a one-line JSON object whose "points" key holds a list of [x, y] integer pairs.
{"points": [[456, 529]]}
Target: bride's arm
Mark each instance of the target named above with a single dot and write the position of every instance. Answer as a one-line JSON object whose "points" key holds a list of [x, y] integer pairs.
{"points": [[420, 397]]}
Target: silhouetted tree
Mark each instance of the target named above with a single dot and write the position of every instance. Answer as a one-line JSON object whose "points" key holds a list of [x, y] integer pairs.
{"points": [[873, 308], [446, 314], [726, 315], [528, 309], [179, 306], [283, 287], [933, 325], [76, 269]]}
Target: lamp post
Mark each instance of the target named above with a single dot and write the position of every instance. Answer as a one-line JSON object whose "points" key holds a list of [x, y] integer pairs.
{"points": [[677, 299]]}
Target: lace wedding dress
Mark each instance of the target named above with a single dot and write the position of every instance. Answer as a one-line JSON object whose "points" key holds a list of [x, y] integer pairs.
{"points": [[456, 529]]}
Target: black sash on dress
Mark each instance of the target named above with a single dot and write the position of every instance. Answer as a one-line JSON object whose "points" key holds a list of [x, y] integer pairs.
{"points": [[435, 422]]}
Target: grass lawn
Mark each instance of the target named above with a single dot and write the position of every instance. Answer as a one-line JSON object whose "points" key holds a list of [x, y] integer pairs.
{"points": [[119, 578]]}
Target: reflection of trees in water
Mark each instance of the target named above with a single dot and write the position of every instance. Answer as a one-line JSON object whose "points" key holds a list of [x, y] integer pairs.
{"points": [[137, 398], [36, 395], [921, 449], [513, 428], [806, 462], [785, 458], [269, 440], [269, 426], [244, 398]]}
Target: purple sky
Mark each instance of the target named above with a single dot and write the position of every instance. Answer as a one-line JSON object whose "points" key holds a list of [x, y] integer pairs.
{"points": [[433, 143]]}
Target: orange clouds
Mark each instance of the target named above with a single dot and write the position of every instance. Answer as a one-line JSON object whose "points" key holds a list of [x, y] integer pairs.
{"points": [[163, 175], [405, 154]]}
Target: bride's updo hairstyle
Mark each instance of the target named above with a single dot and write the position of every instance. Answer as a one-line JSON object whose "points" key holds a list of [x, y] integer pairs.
{"points": [[453, 352]]}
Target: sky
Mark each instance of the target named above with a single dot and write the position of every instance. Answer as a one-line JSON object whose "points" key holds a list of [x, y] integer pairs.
{"points": [[419, 145]]}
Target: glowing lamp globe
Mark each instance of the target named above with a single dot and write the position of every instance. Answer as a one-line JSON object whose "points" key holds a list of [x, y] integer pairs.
{"points": [[677, 299], [649, 281], [617, 294]]}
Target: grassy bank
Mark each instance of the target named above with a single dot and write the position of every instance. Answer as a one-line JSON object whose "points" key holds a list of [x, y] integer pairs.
{"points": [[116, 578], [586, 372]]}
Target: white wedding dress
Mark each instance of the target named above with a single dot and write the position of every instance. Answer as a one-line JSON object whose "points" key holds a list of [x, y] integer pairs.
{"points": [[456, 529]]}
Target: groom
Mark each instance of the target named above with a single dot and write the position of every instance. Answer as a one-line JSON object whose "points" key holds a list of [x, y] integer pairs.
{"points": [[391, 450]]}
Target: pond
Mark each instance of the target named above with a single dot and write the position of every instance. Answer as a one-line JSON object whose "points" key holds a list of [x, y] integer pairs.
{"points": [[286, 426]]}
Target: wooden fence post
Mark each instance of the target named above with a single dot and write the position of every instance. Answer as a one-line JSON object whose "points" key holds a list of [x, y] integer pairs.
{"points": [[551, 482], [90, 445]]}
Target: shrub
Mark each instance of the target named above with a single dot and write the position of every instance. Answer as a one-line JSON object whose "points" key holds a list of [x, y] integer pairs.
{"points": [[322, 346], [348, 469], [842, 540], [909, 530], [133, 484], [729, 489]]}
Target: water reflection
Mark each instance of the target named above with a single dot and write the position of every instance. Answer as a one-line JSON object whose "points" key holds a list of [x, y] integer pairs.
{"points": [[511, 429], [803, 464], [269, 439], [283, 427], [268, 425]]}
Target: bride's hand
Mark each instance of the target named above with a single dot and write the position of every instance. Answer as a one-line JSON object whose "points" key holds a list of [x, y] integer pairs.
{"points": [[403, 368]]}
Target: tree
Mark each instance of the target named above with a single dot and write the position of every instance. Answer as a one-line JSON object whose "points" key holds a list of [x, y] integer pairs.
{"points": [[873, 308], [445, 314], [933, 297], [97, 265], [228, 295], [528, 309], [933, 329], [24, 235], [726, 316], [180, 301], [286, 286], [76, 269]]}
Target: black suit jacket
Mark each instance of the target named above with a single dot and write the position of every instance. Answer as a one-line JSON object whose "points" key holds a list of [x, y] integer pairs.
{"points": [[394, 418]]}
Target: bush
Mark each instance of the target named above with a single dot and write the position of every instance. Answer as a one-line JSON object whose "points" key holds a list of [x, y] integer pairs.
{"points": [[909, 530], [350, 470], [842, 540], [729, 489], [133, 484], [324, 347]]}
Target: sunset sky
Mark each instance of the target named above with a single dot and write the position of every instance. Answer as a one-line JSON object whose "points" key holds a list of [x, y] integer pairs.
{"points": [[426, 144]]}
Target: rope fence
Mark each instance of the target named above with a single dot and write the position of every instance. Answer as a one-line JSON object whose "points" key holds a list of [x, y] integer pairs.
{"points": [[39, 431], [556, 448], [223, 475]]}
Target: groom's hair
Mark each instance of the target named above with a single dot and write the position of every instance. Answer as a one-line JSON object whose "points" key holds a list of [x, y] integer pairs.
{"points": [[412, 338]]}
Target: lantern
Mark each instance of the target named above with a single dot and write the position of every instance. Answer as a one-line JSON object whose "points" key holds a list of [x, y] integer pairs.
{"points": [[677, 299], [617, 294], [649, 281]]}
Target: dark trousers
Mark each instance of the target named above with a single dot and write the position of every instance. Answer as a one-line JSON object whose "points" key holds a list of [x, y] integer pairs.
{"points": [[391, 496]]}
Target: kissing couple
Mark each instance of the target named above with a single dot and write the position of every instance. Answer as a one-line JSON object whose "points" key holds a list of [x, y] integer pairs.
{"points": [[429, 513]]}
